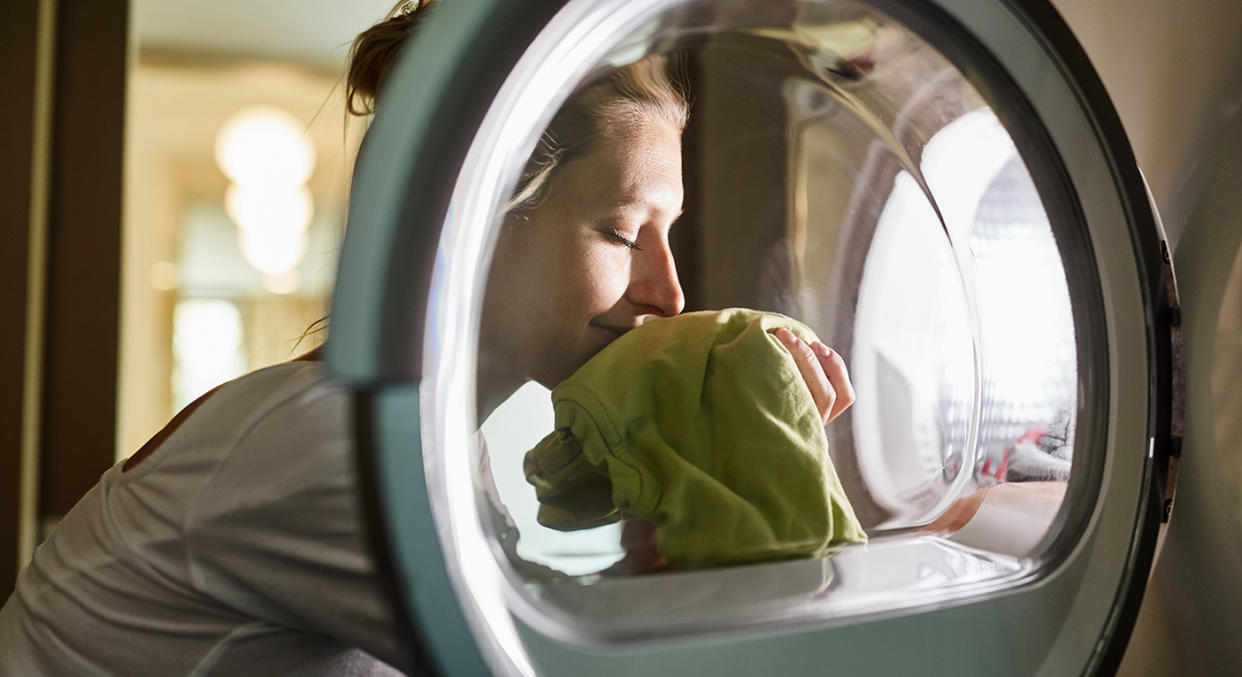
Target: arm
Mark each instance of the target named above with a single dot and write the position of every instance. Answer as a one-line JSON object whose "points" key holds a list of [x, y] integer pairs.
{"points": [[1031, 505], [279, 533]]}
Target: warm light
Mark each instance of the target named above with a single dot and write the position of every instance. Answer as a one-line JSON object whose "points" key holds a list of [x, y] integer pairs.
{"points": [[269, 211], [207, 346], [272, 252], [165, 275], [264, 147], [268, 157], [282, 283]]}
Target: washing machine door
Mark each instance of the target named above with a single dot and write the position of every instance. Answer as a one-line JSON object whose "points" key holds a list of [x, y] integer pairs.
{"points": [[939, 188]]}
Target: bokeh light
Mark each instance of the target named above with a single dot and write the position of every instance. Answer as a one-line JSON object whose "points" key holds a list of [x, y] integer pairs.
{"points": [[262, 147]]}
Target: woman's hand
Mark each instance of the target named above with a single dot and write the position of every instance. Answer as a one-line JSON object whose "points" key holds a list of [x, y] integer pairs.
{"points": [[824, 373], [642, 555]]}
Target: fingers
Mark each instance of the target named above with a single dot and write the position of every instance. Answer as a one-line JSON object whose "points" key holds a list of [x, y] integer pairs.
{"points": [[824, 372], [810, 366], [838, 376]]}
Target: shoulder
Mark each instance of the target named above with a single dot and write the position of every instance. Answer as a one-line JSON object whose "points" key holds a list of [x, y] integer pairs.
{"points": [[289, 466], [283, 402], [293, 392], [281, 386], [287, 418], [274, 421]]}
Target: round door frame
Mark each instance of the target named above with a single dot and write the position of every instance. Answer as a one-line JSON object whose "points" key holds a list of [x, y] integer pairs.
{"points": [[378, 337]]}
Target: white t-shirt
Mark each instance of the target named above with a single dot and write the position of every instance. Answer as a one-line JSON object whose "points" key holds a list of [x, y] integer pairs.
{"points": [[237, 547]]}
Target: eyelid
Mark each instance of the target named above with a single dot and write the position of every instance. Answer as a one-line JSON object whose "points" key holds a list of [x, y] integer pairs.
{"points": [[616, 235]]}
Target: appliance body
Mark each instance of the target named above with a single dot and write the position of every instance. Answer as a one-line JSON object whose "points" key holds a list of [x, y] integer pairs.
{"points": [[1178, 95], [406, 318]]}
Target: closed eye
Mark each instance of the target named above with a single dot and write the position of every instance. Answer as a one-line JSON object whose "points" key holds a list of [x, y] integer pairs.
{"points": [[616, 236]]}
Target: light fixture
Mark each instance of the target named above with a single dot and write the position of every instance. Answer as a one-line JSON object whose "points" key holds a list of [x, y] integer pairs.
{"points": [[262, 147], [258, 210], [272, 252], [269, 158]]}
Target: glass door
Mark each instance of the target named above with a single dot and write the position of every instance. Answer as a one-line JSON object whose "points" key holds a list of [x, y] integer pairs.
{"points": [[941, 192]]}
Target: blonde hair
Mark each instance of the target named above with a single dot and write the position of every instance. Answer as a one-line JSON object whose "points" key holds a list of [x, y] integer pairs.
{"points": [[644, 91], [640, 92]]}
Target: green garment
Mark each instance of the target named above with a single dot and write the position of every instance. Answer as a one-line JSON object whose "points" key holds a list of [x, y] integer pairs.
{"points": [[702, 424]]}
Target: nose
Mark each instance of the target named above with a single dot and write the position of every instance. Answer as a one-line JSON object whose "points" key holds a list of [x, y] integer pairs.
{"points": [[654, 286]]}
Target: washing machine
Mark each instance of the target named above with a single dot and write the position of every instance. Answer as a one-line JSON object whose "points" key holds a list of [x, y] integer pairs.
{"points": [[941, 189]]}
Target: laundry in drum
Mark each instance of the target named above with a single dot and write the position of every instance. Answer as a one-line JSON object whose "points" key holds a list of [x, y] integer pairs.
{"points": [[702, 425]]}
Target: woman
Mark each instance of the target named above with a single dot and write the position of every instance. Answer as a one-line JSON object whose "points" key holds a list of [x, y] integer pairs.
{"points": [[233, 542]]}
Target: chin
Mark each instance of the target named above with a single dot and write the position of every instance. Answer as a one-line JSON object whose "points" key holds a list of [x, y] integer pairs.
{"points": [[555, 377], [566, 360]]}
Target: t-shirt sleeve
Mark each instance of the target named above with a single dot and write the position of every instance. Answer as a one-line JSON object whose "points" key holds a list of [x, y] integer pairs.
{"points": [[279, 533]]}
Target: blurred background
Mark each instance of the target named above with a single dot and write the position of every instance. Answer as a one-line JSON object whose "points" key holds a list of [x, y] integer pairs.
{"points": [[237, 162], [177, 223]]}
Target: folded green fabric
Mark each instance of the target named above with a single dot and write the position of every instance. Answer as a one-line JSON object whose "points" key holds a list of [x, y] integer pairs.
{"points": [[702, 424]]}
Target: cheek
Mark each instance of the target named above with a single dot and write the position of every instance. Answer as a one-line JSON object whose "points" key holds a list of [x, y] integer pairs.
{"points": [[603, 276], [573, 271]]}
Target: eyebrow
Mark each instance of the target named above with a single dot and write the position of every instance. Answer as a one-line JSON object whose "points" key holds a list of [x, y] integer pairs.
{"points": [[639, 205]]}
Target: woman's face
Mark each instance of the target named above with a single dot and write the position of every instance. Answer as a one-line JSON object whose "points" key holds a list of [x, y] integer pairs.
{"points": [[591, 261]]}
